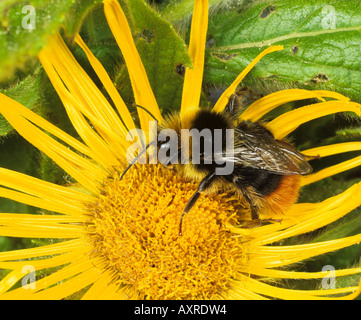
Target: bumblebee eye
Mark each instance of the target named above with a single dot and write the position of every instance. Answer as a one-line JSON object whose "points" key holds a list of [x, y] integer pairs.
{"points": [[167, 153], [164, 148], [168, 147]]}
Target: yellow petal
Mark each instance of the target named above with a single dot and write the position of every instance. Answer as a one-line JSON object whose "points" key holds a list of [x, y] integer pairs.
{"points": [[193, 77], [45, 125], [80, 272], [278, 256], [42, 263], [42, 189], [142, 90], [45, 204], [109, 86], [291, 294], [82, 99], [288, 122], [81, 169], [284, 274], [223, 100], [9, 280], [337, 168], [52, 249], [271, 101], [303, 218], [105, 288]]}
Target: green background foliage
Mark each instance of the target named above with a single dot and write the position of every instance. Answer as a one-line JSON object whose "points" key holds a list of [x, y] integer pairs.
{"points": [[322, 43]]}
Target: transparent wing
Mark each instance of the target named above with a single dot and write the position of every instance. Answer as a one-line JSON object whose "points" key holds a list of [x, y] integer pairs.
{"points": [[264, 152]]}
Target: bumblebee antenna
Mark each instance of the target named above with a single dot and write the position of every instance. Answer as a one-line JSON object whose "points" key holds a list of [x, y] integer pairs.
{"points": [[136, 158], [147, 146], [146, 110]]}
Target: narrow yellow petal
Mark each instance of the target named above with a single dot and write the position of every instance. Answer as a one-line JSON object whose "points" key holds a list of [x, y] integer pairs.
{"points": [[45, 204], [42, 189], [79, 83], [193, 77], [47, 250], [45, 125], [109, 86], [271, 101], [79, 266], [84, 102], [333, 149], [106, 154], [12, 219], [108, 146], [315, 249], [66, 288], [290, 294], [42, 263], [332, 170], [288, 122], [334, 294], [60, 231], [317, 216], [81, 169], [9, 280], [223, 100], [283, 274], [276, 256], [329, 150], [143, 93], [105, 288]]}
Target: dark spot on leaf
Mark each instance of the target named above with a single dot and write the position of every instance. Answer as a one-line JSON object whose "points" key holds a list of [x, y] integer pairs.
{"points": [[223, 56], [267, 11], [180, 69], [320, 78], [295, 49], [147, 35]]}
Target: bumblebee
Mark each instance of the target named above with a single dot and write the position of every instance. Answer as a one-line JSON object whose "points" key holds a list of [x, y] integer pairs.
{"points": [[266, 171]]}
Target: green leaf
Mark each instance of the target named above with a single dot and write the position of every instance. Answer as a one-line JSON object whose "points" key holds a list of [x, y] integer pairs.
{"points": [[24, 91], [26, 26], [75, 17], [163, 54], [100, 40], [322, 43], [18, 155], [179, 10]]}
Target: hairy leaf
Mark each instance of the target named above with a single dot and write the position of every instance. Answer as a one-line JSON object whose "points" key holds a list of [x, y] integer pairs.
{"points": [[25, 27], [321, 39], [163, 53]]}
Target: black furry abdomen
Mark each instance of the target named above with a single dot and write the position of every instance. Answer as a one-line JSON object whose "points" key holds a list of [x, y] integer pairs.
{"points": [[263, 181]]}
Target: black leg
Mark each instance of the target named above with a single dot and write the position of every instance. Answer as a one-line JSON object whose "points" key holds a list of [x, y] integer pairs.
{"points": [[203, 185], [254, 210], [243, 188]]}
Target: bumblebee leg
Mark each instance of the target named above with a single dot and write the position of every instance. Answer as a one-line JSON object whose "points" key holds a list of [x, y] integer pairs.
{"points": [[203, 185], [254, 210], [243, 189]]}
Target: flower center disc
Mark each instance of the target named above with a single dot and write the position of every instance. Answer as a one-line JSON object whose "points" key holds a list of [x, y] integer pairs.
{"points": [[137, 230]]}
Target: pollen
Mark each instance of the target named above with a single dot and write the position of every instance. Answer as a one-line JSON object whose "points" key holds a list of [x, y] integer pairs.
{"points": [[136, 231]]}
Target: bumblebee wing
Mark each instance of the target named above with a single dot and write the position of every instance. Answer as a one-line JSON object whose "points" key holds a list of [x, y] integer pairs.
{"points": [[264, 152]]}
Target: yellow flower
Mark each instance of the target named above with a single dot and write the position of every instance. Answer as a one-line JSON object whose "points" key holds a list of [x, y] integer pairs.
{"points": [[118, 239]]}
